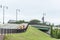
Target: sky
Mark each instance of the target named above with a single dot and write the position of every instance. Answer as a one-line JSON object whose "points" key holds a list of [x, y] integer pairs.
{"points": [[31, 9]]}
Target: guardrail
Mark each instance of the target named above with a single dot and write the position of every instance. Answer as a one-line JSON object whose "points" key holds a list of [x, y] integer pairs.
{"points": [[9, 31], [6, 31]]}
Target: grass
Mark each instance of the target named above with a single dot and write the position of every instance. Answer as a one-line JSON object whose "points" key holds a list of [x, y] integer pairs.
{"points": [[31, 34]]}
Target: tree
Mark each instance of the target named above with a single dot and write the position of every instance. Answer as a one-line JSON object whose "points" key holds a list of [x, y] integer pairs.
{"points": [[51, 31], [21, 21], [34, 21]]}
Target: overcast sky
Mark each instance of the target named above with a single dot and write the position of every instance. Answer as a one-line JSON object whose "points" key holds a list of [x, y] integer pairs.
{"points": [[31, 9]]}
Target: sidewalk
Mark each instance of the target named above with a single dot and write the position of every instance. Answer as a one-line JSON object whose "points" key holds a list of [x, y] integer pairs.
{"points": [[1, 37]]}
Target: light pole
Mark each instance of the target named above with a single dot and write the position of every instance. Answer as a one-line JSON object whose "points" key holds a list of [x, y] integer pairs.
{"points": [[3, 11], [43, 18], [17, 10]]}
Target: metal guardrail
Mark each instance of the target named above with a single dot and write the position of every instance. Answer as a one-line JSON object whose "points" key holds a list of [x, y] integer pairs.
{"points": [[9, 31], [13, 28]]}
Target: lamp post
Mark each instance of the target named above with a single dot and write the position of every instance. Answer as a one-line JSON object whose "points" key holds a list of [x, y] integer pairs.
{"points": [[43, 18], [3, 11], [17, 10]]}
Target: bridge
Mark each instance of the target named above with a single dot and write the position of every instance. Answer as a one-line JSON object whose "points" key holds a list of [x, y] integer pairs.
{"points": [[42, 27]]}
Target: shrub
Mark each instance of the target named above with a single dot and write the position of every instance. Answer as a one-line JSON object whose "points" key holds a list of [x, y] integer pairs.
{"points": [[56, 33]]}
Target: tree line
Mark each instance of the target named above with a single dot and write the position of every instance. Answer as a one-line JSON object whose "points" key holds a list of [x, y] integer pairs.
{"points": [[34, 21]]}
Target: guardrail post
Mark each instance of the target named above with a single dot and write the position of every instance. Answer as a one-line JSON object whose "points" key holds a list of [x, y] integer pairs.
{"points": [[0, 31], [6, 31]]}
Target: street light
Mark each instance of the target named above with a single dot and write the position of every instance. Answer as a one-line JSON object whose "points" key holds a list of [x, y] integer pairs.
{"points": [[0, 6], [3, 11], [17, 10], [43, 18]]}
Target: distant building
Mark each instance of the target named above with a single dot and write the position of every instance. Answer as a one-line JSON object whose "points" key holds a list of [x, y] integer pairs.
{"points": [[11, 21]]}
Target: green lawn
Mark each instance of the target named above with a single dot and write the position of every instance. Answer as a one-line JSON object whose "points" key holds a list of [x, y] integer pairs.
{"points": [[31, 34]]}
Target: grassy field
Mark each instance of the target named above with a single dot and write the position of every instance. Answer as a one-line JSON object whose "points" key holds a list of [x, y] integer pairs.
{"points": [[31, 34]]}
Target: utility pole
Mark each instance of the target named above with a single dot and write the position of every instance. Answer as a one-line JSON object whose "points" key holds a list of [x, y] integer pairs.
{"points": [[3, 11], [17, 10]]}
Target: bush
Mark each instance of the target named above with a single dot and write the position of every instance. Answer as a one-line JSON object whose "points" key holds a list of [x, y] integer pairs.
{"points": [[56, 33], [20, 21], [34, 21]]}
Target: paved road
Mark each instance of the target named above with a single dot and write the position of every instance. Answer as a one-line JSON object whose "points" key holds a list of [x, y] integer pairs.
{"points": [[11, 26]]}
